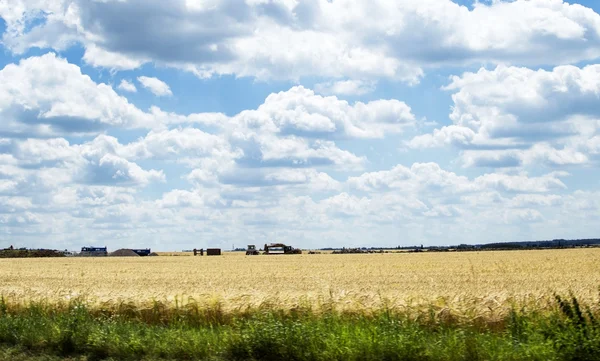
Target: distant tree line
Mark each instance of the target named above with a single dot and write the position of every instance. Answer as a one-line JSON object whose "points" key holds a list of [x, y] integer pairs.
{"points": [[28, 253], [541, 244]]}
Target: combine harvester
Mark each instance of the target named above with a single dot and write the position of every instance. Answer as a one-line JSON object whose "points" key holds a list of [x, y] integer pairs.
{"points": [[280, 248]]}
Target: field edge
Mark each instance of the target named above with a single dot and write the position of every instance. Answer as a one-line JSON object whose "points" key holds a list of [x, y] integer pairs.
{"points": [[571, 331]]}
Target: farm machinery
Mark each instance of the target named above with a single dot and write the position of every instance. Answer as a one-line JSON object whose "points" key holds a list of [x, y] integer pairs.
{"points": [[280, 248], [251, 250]]}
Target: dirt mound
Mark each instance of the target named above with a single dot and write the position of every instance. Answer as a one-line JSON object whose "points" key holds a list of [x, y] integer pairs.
{"points": [[153, 254], [124, 253]]}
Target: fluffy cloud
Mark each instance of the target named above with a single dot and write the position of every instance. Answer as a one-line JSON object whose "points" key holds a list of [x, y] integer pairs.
{"points": [[181, 199], [378, 206], [100, 177], [155, 85], [47, 96], [510, 116], [261, 185], [111, 169], [50, 163], [522, 183], [282, 39], [127, 86], [202, 119], [91, 196], [300, 111], [419, 176], [450, 135], [424, 177], [290, 129], [294, 128], [184, 144], [293, 151], [506, 102], [99, 57]]}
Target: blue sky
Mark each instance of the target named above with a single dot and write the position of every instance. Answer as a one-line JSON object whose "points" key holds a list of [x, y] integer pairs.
{"points": [[196, 123]]}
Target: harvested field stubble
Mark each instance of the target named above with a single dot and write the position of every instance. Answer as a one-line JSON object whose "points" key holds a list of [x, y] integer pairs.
{"points": [[469, 285]]}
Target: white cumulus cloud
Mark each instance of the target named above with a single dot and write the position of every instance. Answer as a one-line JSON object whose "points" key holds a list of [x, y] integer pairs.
{"points": [[399, 40], [155, 85], [47, 96], [127, 86], [511, 116]]}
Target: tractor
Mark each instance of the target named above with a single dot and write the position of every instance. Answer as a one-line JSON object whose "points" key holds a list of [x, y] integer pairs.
{"points": [[251, 250]]}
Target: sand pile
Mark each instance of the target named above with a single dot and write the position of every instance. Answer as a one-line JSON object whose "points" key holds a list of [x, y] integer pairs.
{"points": [[124, 253], [153, 254]]}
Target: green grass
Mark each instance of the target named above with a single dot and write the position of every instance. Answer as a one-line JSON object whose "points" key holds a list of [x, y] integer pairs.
{"points": [[41, 331]]}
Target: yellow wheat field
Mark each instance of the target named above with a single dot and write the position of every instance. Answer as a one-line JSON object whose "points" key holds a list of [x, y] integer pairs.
{"points": [[471, 282]]}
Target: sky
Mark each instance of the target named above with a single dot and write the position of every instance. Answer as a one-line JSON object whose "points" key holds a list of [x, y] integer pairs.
{"points": [[317, 123]]}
